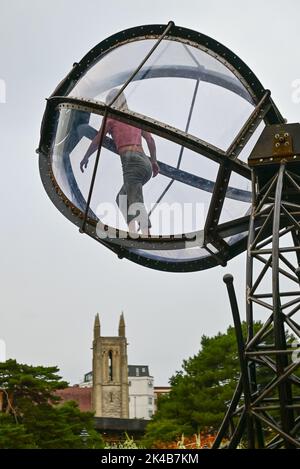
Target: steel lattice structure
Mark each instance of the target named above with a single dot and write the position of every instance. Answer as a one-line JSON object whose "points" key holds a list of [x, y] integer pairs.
{"points": [[272, 404]]}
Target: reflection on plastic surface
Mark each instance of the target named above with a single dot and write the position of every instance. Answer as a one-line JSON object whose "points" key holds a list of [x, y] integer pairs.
{"points": [[233, 209], [181, 208], [195, 96], [173, 70], [175, 255]]}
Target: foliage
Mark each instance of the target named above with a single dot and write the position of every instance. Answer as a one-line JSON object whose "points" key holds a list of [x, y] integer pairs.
{"points": [[128, 443], [200, 392], [34, 383], [197, 441], [32, 416], [60, 426], [14, 436]]}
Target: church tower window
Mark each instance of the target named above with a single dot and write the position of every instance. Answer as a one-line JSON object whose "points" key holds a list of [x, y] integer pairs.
{"points": [[110, 365]]}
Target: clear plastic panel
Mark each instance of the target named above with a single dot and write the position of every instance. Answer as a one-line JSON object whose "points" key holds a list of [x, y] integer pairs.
{"points": [[166, 86], [234, 208], [190, 254], [174, 207], [177, 200], [246, 151], [68, 147]]}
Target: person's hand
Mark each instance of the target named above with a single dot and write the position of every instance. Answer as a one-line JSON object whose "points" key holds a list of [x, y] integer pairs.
{"points": [[155, 168], [84, 163]]}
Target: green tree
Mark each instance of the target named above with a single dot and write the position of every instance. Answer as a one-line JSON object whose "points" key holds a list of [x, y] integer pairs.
{"points": [[60, 426], [20, 383], [31, 415], [201, 391], [14, 436]]}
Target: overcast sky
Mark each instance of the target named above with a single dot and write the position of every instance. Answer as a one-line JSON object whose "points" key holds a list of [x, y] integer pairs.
{"points": [[53, 279]]}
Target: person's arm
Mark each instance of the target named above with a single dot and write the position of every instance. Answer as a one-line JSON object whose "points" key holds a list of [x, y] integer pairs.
{"points": [[152, 149], [92, 148]]}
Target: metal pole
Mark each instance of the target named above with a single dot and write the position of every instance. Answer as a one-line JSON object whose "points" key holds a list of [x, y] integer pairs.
{"points": [[169, 26], [284, 388], [249, 305], [228, 279], [226, 421], [102, 134]]}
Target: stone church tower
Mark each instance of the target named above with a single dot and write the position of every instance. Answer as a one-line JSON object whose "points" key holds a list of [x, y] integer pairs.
{"points": [[110, 373]]}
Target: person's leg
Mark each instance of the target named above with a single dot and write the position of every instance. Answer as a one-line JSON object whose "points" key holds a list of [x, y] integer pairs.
{"points": [[137, 170], [136, 207], [147, 174], [122, 202]]}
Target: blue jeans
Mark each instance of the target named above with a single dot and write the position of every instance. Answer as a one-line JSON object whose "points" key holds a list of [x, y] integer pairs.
{"points": [[137, 170]]}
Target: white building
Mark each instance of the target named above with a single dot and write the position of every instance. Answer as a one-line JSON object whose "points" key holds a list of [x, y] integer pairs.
{"points": [[141, 391], [87, 380]]}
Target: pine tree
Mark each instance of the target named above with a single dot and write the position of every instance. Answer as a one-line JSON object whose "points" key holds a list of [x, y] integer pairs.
{"points": [[31, 415], [201, 391]]}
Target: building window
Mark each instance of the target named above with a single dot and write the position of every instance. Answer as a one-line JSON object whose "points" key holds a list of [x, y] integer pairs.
{"points": [[150, 413], [110, 365], [150, 384], [150, 400], [129, 383], [88, 377], [143, 370], [137, 372]]}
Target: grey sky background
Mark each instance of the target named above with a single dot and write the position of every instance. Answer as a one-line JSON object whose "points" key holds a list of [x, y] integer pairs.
{"points": [[53, 279]]}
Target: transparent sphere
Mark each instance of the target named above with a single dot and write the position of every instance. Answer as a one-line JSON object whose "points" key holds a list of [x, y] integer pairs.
{"points": [[186, 101]]}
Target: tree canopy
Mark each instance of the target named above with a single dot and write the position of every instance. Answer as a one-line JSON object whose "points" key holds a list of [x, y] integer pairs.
{"points": [[31, 415], [200, 391]]}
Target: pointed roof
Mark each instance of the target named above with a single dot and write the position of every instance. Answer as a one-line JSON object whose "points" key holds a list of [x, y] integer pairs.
{"points": [[122, 325], [97, 326]]}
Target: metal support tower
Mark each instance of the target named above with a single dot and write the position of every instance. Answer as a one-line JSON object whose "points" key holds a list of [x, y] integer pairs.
{"points": [[265, 409]]}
